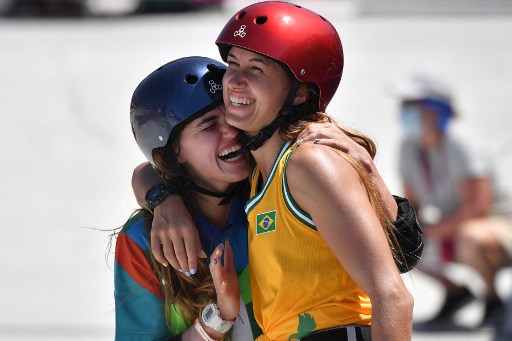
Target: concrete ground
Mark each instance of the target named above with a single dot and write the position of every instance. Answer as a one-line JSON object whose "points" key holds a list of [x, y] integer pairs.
{"points": [[67, 151]]}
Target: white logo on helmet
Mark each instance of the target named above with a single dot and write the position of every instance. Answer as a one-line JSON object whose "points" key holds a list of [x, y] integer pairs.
{"points": [[241, 32], [214, 87]]}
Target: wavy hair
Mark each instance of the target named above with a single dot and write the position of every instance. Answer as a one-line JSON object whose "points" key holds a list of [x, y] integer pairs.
{"points": [[290, 131], [187, 295]]}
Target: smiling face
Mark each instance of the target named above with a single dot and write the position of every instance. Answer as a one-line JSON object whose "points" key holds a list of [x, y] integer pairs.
{"points": [[210, 152], [255, 88]]}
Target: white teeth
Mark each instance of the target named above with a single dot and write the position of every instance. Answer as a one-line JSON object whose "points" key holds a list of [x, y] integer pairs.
{"points": [[238, 100], [230, 150], [234, 157]]}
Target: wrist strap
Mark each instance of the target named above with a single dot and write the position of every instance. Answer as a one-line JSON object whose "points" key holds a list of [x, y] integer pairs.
{"points": [[204, 335]]}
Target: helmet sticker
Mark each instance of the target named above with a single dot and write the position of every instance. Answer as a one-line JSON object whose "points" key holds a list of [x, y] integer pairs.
{"points": [[214, 87], [240, 32]]}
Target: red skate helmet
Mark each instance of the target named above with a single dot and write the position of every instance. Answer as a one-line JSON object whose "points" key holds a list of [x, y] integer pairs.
{"points": [[301, 39]]}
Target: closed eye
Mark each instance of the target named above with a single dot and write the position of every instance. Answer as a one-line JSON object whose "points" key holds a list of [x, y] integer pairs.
{"points": [[255, 68], [208, 122], [232, 64]]}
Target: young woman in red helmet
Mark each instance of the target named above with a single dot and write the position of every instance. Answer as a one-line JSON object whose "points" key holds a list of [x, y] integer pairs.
{"points": [[319, 230]]}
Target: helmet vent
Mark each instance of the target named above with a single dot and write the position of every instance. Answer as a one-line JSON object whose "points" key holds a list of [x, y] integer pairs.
{"points": [[212, 67], [191, 79], [240, 15], [260, 20]]}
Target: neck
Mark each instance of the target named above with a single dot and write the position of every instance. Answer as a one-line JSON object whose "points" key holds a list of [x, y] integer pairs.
{"points": [[266, 154], [209, 207]]}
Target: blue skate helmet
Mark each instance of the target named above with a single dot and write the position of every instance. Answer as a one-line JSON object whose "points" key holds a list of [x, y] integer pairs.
{"points": [[170, 97]]}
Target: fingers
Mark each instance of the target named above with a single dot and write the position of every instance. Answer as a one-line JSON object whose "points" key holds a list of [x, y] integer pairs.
{"points": [[229, 264], [216, 268], [219, 269], [174, 238], [331, 143], [172, 250], [312, 129], [156, 248], [225, 280], [190, 254], [322, 131]]}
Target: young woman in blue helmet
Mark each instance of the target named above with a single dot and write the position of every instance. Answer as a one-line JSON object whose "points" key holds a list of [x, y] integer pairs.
{"points": [[177, 119]]}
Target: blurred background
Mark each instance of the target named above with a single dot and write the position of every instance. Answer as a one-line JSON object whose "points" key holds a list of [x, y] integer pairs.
{"points": [[67, 72]]}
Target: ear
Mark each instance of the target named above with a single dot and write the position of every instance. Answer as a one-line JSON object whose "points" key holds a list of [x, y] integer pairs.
{"points": [[302, 95], [181, 158]]}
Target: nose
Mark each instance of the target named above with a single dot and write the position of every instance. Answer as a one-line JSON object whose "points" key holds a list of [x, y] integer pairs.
{"points": [[234, 79], [228, 131]]}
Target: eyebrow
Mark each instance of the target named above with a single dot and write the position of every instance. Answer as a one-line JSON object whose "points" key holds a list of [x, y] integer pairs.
{"points": [[207, 120], [262, 59]]}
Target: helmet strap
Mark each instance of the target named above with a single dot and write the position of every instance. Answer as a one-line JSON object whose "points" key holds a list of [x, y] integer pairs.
{"points": [[179, 183], [226, 196], [283, 116]]}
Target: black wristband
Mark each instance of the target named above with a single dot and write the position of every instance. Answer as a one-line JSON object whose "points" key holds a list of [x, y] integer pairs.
{"points": [[156, 195]]}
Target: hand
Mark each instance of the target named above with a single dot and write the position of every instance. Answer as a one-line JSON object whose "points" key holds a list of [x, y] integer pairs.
{"points": [[225, 280], [174, 237], [329, 134]]}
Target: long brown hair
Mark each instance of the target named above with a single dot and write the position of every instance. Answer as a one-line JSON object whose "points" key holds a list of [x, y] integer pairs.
{"points": [[190, 294], [290, 132]]}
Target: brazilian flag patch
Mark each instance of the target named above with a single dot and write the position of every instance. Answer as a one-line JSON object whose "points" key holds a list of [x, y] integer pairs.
{"points": [[266, 222]]}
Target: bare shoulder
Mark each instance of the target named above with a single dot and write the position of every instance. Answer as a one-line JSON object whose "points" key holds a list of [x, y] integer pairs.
{"points": [[319, 163]]}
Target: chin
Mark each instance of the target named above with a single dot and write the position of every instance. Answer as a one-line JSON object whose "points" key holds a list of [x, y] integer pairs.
{"points": [[236, 121]]}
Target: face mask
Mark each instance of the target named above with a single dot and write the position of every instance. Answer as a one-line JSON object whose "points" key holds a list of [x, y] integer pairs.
{"points": [[411, 120], [443, 110]]}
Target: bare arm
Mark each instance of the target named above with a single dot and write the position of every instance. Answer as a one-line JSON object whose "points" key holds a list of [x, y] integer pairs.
{"points": [[179, 245], [330, 134], [143, 178], [348, 223]]}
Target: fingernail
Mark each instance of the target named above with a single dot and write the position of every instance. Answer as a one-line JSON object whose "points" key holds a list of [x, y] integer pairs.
{"points": [[180, 270], [220, 245], [215, 261], [217, 252], [317, 141], [193, 271], [226, 239], [187, 273], [203, 254], [164, 264]]}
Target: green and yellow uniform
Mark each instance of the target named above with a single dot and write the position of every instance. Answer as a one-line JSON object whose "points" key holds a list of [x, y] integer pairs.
{"points": [[297, 283]]}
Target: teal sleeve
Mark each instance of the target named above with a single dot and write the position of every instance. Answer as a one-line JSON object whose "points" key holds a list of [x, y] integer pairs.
{"points": [[139, 307]]}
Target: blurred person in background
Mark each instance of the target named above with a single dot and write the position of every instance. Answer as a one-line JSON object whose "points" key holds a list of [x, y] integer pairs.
{"points": [[452, 184]]}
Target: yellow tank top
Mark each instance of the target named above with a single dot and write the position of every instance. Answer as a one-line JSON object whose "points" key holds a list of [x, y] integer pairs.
{"points": [[298, 285]]}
